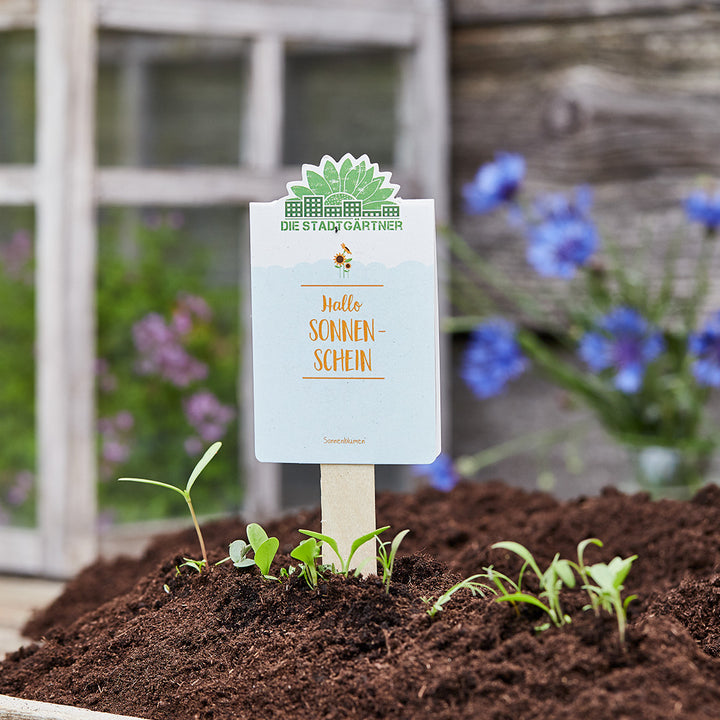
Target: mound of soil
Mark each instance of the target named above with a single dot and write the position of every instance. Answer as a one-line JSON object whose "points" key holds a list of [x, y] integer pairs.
{"points": [[136, 638]]}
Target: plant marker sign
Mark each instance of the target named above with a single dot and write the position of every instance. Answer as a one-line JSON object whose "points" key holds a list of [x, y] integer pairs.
{"points": [[345, 336]]}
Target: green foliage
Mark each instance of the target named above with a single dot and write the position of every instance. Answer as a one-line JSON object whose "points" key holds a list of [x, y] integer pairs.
{"points": [[345, 563], [605, 593], [307, 553], [185, 494], [386, 557], [469, 583], [608, 587], [265, 547]]}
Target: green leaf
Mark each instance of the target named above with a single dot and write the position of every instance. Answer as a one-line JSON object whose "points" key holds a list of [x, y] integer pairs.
{"points": [[326, 539], [602, 575], [255, 535], [344, 170], [318, 184], [565, 573], [306, 551], [369, 190], [382, 193], [350, 181], [396, 543], [265, 554], [365, 178], [301, 190], [238, 552], [154, 482], [520, 550], [525, 598], [204, 460], [361, 541], [331, 176]]}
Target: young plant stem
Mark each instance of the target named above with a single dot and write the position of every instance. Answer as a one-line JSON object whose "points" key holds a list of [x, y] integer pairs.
{"points": [[197, 530]]}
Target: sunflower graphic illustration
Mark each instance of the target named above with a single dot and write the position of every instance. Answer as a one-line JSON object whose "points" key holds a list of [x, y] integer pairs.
{"points": [[343, 261]]}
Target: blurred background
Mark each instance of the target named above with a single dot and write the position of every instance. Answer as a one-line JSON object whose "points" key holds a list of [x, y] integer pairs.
{"points": [[133, 135]]}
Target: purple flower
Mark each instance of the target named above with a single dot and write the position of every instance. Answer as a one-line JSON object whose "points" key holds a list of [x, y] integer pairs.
{"points": [[208, 415], [495, 183], [703, 207], [565, 238], [705, 346], [624, 341], [492, 358], [441, 472], [162, 353]]}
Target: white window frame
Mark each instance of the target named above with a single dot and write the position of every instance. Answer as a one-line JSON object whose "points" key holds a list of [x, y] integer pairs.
{"points": [[65, 186]]}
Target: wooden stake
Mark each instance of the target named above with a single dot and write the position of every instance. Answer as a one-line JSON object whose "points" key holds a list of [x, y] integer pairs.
{"points": [[348, 511]]}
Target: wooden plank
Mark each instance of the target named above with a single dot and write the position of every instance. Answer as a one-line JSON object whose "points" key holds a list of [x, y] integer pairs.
{"points": [[17, 14], [197, 186], [19, 709], [502, 11], [66, 284], [371, 23], [17, 185]]}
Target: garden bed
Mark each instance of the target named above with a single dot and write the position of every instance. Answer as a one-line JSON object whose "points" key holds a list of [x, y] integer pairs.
{"points": [[228, 644]]}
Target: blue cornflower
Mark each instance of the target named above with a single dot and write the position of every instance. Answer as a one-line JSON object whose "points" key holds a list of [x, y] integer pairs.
{"points": [[442, 473], [624, 341], [492, 358], [705, 345], [566, 236], [495, 183], [705, 208]]}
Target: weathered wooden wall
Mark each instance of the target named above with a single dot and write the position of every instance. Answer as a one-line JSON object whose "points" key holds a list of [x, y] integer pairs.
{"points": [[623, 95]]}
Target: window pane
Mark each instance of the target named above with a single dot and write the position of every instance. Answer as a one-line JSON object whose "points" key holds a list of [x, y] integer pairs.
{"points": [[17, 97], [169, 100], [168, 353], [17, 367], [338, 102]]}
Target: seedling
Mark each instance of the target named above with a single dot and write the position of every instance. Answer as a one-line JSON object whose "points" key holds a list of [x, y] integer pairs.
{"points": [[345, 563], [307, 552], [386, 557], [265, 548], [559, 572], [239, 554], [196, 565], [475, 588], [204, 460], [583, 570], [609, 579]]}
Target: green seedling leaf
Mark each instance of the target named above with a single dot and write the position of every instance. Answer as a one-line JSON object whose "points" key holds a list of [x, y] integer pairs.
{"points": [[265, 554], [565, 572], [326, 539], [256, 535], [520, 550], [239, 554], [357, 543], [306, 552], [526, 598], [202, 463], [154, 482]]}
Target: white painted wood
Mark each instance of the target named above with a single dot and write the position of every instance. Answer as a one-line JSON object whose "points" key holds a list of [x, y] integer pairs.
{"points": [[202, 186], [348, 512], [19, 709], [340, 21], [65, 282], [17, 14], [17, 184], [262, 136]]}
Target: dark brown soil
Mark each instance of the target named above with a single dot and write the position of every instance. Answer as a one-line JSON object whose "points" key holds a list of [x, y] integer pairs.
{"points": [[228, 644]]}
